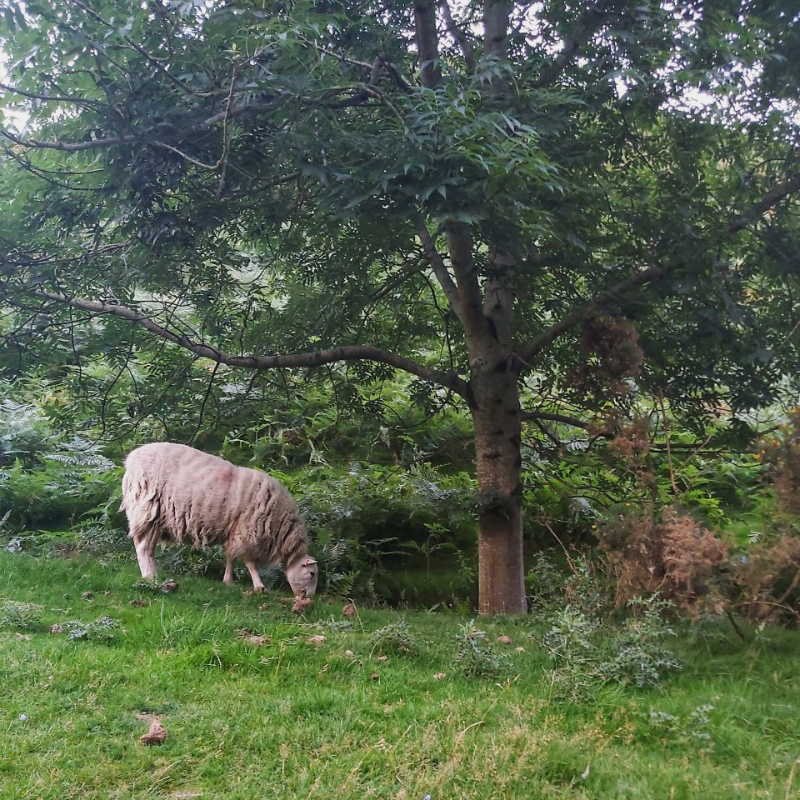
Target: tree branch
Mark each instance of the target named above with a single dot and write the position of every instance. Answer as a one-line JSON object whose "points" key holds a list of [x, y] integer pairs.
{"points": [[495, 27], [460, 37], [71, 147], [54, 98], [526, 416], [309, 359], [156, 62], [771, 199], [439, 268], [427, 41], [528, 351], [459, 245], [590, 21]]}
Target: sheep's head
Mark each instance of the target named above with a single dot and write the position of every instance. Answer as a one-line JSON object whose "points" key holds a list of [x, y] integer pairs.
{"points": [[302, 577]]}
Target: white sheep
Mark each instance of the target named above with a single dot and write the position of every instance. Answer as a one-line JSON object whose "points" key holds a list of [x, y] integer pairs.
{"points": [[171, 492]]}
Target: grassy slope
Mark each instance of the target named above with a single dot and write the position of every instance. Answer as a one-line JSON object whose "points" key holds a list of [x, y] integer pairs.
{"points": [[295, 720]]}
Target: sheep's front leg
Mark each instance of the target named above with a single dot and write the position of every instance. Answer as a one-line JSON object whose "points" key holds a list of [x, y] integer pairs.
{"points": [[145, 554], [228, 579], [258, 586]]}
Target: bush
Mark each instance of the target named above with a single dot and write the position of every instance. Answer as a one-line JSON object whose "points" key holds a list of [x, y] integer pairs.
{"points": [[768, 578], [780, 454], [24, 616], [674, 556], [101, 630], [395, 639], [369, 519], [475, 656], [549, 587], [637, 653], [587, 652]]}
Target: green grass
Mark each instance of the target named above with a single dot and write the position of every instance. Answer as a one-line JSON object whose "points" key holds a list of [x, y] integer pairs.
{"points": [[297, 720]]}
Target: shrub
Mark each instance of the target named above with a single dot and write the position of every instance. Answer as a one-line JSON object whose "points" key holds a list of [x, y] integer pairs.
{"points": [[24, 616], [396, 639], [101, 630], [780, 455], [475, 656], [768, 577], [549, 587], [97, 538], [570, 643], [691, 727], [587, 653], [675, 556], [637, 653]]}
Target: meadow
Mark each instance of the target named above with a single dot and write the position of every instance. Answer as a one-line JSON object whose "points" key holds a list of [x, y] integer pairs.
{"points": [[257, 704]]}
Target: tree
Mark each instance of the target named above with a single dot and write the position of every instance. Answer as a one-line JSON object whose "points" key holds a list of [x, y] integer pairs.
{"points": [[508, 201]]}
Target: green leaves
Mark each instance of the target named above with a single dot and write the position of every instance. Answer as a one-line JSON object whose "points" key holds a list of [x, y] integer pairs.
{"points": [[253, 176]]}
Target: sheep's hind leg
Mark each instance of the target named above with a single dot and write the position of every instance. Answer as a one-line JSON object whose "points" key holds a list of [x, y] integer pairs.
{"points": [[258, 586], [228, 579]]}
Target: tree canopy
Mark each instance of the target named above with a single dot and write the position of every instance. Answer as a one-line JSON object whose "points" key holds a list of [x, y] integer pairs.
{"points": [[538, 210]]}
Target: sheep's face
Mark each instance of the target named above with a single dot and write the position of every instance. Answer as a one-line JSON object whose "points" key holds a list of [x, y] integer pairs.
{"points": [[302, 577]]}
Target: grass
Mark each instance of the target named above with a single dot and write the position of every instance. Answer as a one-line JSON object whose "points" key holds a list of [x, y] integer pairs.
{"points": [[293, 719]]}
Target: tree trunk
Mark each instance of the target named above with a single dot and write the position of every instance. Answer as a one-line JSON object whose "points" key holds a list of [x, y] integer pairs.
{"points": [[496, 416], [487, 317]]}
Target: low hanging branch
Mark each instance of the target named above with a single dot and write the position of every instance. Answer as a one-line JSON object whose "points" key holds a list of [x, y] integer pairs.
{"points": [[315, 358]]}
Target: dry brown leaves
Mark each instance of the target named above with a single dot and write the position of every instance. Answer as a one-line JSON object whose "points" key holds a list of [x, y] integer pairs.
{"points": [[259, 640], [156, 735], [675, 556], [301, 604], [350, 611]]}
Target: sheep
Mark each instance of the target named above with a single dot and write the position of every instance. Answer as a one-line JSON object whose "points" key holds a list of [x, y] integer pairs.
{"points": [[171, 492]]}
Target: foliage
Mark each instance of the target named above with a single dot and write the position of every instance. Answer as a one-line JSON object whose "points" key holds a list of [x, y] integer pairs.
{"points": [[475, 656], [767, 577], [549, 586], [396, 638], [103, 630], [48, 478], [97, 537], [674, 556], [637, 651], [370, 518], [23, 432], [691, 727], [24, 616], [780, 454], [586, 651], [56, 494]]}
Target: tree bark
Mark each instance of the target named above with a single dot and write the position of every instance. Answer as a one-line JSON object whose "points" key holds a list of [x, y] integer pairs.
{"points": [[497, 449], [487, 318], [427, 41]]}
